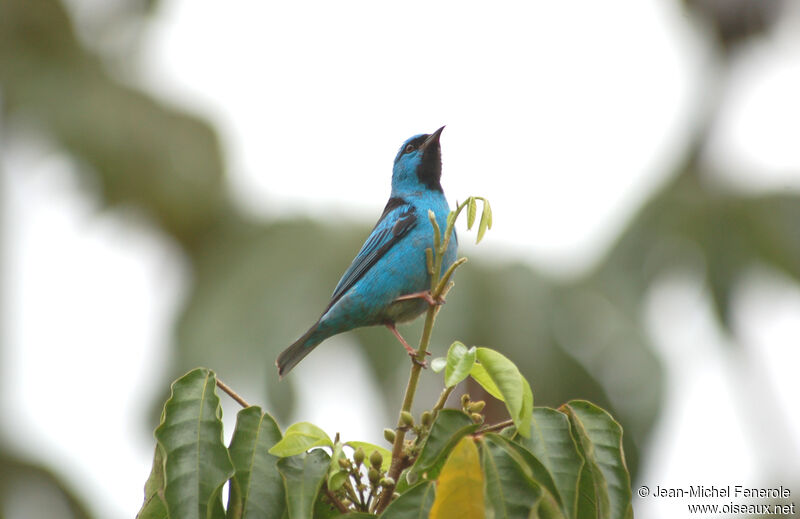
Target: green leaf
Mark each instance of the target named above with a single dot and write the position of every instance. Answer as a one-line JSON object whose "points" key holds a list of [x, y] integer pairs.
{"points": [[449, 427], [472, 209], [512, 385], [510, 492], [256, 489], [414, 503], [154, 506], [197, 464], [300, 437], [486, 220], [302, 477], [438, 364], [459, 488], [324, 509], [481, 376], [533, 468], [369, 447], [599, 438], [459, 363], [552, 443]]}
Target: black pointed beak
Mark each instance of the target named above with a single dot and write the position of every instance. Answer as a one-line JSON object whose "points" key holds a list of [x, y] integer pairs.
{"points": [[432, 139]]}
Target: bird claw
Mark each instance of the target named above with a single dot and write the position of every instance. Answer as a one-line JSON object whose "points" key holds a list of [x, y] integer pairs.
{"points": [[422, 363]]}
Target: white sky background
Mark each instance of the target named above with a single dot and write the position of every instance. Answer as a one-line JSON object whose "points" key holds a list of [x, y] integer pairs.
{"points": [[563, 114]]}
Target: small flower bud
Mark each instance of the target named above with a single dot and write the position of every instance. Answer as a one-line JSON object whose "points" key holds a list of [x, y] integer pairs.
{"points": [[476, 418], [407, 419], [389, 435], [387, 482], [344, 463], [358, 456], [464, 400], [375, 459], [426, 418], [373, 476], [476, 407]]}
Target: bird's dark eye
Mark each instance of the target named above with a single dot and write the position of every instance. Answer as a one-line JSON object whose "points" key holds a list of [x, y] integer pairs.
{"points": [[410, 148]]}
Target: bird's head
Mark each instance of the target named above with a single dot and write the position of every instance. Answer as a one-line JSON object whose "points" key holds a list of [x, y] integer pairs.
{"points": [[418, 165]]}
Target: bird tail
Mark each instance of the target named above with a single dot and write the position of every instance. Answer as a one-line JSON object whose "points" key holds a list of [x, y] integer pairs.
{"points": [[292, 355]]}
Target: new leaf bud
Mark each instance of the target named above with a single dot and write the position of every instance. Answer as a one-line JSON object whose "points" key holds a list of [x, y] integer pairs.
{"points": [[344, 463], [358, 456], [426, 418], [407, 419], [477, 418], [387, 482], [476, 407], [464, 400], [373, 476], [375, 459], [389, 435]]}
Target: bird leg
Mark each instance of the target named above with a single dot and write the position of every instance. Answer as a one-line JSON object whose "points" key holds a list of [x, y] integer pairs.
{"points": [[412, 353], [426, 295]]}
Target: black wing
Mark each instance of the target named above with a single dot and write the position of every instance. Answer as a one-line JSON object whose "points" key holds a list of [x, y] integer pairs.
{"points": [[397, 220]]}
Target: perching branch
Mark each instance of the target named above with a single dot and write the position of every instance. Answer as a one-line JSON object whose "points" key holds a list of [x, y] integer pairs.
{"points": [[223, 386]]}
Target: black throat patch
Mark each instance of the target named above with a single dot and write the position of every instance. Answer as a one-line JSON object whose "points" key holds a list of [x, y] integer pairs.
{"points": [[429, 171]]}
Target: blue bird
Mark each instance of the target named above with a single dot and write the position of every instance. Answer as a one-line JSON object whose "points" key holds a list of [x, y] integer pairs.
{"points": [[388, 282]]}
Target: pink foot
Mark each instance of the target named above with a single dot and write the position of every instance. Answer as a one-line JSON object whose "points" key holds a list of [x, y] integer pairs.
{"points": [[425, 294]]}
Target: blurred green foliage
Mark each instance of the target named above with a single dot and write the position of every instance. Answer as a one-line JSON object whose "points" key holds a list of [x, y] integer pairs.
{"points": [[255, 285]]}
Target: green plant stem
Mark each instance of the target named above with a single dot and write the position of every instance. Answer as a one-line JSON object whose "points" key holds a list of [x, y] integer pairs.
{"points": [[442, 399], [361, 500], [398, 460], [495, 427], [335, 500], [440, 244]]}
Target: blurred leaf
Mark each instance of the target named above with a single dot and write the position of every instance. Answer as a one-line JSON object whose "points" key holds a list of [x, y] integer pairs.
{"points": [[459, 363], [552, 443], [599, 438], [459, 487], [511, 384], [448, 428], [300, 437], [196, 464], [256, 489], [42, 483], [303, 476], [438, 364], [414, 503], [139, 151]]}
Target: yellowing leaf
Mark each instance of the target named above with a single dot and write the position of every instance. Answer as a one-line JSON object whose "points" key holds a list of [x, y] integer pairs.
{"points": [[459, 489]]}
